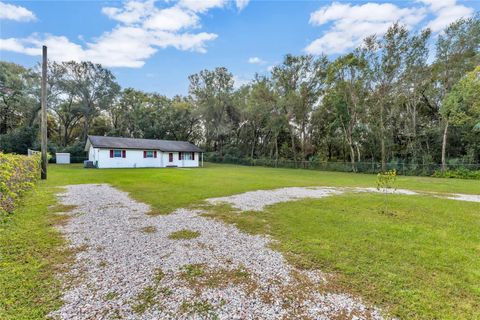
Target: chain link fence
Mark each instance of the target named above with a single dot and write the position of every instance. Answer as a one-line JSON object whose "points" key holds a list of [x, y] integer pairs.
{"points": [[461, 170], [402, 168]]}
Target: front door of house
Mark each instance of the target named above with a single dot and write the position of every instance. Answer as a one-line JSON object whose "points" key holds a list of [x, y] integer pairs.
{"points": [[170, 157]]}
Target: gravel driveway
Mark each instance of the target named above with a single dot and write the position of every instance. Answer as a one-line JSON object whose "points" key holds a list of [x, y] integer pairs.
{"points": [[182, 266], [258, 200]]}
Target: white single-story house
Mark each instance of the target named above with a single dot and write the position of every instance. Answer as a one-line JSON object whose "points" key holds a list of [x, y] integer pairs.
{"points": [[116, 152]]}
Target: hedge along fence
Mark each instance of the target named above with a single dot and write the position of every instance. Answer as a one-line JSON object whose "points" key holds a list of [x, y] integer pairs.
{"points": [[18, 174]]}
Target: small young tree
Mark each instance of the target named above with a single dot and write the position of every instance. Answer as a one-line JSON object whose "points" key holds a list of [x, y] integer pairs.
{"points": [[386, 183]]}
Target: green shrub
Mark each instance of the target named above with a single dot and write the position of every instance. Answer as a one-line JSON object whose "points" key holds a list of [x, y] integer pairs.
{"points": [[17, 174], [460, 173], [18, 140]]}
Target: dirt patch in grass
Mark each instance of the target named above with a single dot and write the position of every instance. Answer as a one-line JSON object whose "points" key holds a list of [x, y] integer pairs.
{"points": [[192, 271], [251, 222], [201, 308], [111, 295], [184, 234], [156, 212], [200, 277], [62, 208], [60, 216], [151, 296], [159, 275], [149, 229], [145, 300]]}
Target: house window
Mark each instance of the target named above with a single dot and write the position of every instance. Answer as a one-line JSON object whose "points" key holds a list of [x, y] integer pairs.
{"points": [[118, 153], [149, 154], [187, 156]]}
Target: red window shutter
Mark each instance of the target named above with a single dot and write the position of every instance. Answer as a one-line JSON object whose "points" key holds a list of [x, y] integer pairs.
{"points": [[144, 153], [111, 153], [154, 154], [179, 156], [193, 155], [124, 153]]}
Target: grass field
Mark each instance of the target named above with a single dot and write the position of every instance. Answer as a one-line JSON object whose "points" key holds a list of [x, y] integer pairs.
{"points": [[419, 262]]}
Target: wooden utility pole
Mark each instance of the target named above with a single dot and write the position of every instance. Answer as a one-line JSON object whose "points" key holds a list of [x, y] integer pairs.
{"points": [[44, 114]]}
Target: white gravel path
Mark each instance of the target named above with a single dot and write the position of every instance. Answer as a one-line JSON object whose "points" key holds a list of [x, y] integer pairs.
{"points": [[258, 200], [465, 197], [115, 270]]}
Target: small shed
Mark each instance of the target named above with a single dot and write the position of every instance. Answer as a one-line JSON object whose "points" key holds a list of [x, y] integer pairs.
{"points": [[62, 158]]}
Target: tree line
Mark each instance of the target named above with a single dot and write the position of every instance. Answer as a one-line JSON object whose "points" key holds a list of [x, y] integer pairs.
{"points": [[405, 96]]}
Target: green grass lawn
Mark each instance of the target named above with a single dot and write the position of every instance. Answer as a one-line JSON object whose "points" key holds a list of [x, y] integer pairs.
{"points": [[422, 262], [31, 253], [167, 189]]}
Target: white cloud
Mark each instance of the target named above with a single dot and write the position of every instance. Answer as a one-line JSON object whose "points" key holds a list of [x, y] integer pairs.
{"points": [[202, 5], [58, 46], [241, 4], [132, 12], [371, 12], [172, 19], [186, 41], [125, 46], [352, 23], [446, 12], [255, 60], [141, 31], [11, 44], [205, 5], [349, 24], [16, 13], [239, 81]]}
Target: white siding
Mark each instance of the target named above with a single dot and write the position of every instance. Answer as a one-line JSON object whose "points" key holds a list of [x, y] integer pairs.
{"points": [[180, 163], [93, 154], [134, 159]]}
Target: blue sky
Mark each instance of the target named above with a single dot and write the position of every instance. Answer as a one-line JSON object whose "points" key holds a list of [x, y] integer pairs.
{"points": [[154, 45]]}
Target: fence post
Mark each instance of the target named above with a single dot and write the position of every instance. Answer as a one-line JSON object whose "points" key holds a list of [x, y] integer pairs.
{"points": [[43, 103]]}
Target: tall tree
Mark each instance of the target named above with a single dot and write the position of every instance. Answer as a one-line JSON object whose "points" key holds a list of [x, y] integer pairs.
{"points": [[461, 105], [386, 57], [414, 85], [94, 89], [348, 76], [212, 93], [18, 103], [457, 52], [299, 82]]}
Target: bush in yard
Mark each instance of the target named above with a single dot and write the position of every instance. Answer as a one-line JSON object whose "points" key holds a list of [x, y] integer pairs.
{"points": [[18, 140], [18, 173], [460, 173]]}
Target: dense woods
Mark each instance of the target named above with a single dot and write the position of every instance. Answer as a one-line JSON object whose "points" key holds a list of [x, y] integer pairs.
{"points": [[407, 97]]}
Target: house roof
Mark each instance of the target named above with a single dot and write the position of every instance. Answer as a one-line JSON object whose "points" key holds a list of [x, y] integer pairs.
{"points": [[144, 144]]}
